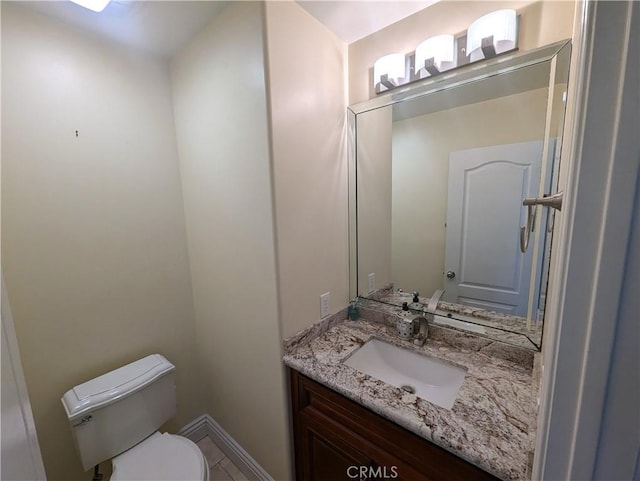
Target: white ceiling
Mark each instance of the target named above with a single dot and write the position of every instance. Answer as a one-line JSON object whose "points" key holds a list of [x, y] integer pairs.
{"points": [[355, 19], [164, 27], [157, 27]]}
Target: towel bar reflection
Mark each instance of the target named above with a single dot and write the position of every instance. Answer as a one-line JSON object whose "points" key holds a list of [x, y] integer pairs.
{"points": [[554, 201]]}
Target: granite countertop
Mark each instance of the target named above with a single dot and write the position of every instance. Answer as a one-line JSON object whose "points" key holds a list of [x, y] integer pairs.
{"points": [[503, 334], [491, 422], [511, 329]]}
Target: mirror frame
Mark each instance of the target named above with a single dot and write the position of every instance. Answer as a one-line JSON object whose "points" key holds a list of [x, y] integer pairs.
{"points": [[459, 77]]}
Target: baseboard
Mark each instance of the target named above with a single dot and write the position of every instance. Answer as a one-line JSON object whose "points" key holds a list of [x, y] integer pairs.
{"points": [[196, 429], [205, 425]]}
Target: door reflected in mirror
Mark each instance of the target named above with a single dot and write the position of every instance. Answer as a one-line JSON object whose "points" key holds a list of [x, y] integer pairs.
{"points": [[440, 181]]}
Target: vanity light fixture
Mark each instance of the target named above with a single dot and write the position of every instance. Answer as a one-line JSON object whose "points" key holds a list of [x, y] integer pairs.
{"points": [[492, 34], [95, 5], [389, 70], [435, 55]]}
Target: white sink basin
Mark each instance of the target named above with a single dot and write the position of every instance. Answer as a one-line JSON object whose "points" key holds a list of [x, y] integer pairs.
{"points": [[430, 379]]}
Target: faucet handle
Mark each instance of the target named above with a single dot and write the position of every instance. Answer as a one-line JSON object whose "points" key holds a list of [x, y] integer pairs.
{"points": [[433, 302]]}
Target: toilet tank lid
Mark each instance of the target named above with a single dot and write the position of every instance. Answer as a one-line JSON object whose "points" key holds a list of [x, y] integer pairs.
{"points": [[114, 385]]}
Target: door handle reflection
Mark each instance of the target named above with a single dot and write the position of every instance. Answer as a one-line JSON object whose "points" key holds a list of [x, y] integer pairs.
{"points": [[554, 201]]}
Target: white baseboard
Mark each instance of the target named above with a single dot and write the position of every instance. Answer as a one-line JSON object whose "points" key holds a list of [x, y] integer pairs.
{"points": [[196, 429], [205, 425]]}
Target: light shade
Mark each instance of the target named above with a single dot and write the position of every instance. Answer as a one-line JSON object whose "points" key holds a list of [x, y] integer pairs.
{"points": [[501, 25], [95, 5], [439, 48], [392, 66]]}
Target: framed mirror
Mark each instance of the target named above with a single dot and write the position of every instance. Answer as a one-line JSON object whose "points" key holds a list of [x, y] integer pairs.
{"points": [[438, 174]]}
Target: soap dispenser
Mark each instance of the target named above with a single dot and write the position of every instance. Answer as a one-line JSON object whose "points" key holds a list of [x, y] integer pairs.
{"points": [[415, 304], [353, 312], [406, 324]]}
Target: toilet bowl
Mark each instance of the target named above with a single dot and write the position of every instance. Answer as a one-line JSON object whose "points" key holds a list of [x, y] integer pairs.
{"points": [[117, 416], [161, 457]]}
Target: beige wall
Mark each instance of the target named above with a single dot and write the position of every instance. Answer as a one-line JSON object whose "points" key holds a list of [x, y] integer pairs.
{"points": [[307, 71], [223, 143], [94, 250], [374, 197], [421, 149], [94, 244], [541, 23]]}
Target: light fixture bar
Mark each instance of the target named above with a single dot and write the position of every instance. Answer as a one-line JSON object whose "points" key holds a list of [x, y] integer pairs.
{"points": [[387, 82], [435, 55], [388, 71], [491, 35], [430, 66], [495, 33], [488, 48]]}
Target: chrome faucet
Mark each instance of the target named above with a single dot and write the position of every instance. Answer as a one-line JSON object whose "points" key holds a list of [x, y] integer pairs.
{"points": [[414, 326], [429, 312], [421, 337], [433, 303]]}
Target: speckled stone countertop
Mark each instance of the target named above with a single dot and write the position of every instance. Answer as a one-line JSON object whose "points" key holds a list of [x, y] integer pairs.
{"points": [[391, 311], [491, 421], [512, 329]]}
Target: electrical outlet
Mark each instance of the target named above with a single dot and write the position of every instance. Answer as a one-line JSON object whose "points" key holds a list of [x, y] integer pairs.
{"points": [[325, 305], [372, 282]]}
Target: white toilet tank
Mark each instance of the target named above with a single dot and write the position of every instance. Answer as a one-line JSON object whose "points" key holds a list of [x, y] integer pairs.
{"points": [[117, 410]]}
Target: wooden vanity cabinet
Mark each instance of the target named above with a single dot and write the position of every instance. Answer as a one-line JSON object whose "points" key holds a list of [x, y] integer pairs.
{"points": [[336, 439]]}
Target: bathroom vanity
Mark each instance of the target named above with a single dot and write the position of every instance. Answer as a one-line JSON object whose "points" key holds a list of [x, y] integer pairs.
{"points": [[345, 419], [336, 438], [439, 173]]}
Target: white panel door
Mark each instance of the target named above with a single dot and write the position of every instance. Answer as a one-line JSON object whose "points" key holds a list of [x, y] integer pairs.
{"points": [[484, 215], [20, 460]]}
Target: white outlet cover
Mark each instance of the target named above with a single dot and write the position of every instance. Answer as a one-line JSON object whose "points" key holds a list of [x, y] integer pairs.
{"points": [[372, 282], [325, 304]]}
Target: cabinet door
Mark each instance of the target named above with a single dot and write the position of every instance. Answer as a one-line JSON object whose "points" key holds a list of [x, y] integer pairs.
{"points": [[326, 457], [337, 439], [329, 449]]}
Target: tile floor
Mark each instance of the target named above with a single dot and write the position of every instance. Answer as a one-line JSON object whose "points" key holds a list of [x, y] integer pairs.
{"points": [[220, 467]]}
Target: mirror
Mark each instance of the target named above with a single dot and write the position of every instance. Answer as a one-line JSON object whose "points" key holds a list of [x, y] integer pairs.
{"points": [[438, 174]]}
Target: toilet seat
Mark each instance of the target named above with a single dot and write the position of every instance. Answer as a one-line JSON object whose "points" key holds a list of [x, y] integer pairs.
{"points": [[161, 457]]}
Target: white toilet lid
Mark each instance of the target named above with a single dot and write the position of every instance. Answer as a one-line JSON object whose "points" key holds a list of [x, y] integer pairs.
{"points": [[161, 457]]}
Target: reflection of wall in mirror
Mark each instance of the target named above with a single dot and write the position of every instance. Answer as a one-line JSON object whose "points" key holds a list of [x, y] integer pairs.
{"points": [[374, 198], [541, 23], [421, 148]]}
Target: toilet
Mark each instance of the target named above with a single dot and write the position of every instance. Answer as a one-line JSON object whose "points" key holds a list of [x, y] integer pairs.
{"points": [[117, 416]]}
